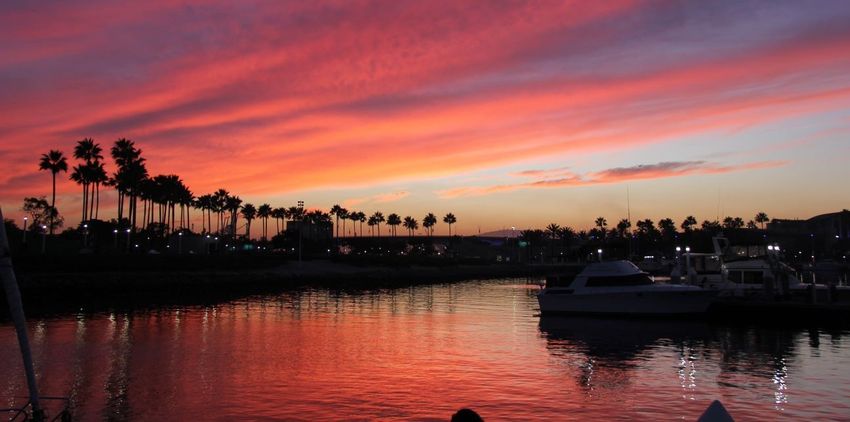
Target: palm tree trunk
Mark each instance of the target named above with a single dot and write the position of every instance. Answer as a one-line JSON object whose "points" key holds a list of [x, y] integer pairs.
{"points": [[91, 201], [85, 207], [97, 207], [53, 203]]}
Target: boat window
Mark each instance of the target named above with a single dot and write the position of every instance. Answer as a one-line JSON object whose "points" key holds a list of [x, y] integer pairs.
{"points": [[753, 277], [735, 276], [621, 280]]}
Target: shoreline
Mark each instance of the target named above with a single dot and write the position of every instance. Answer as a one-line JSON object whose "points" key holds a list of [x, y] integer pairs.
{"points": [[53, 292]]}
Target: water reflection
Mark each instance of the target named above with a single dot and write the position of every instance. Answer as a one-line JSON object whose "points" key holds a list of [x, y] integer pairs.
{"points": [[613, 349], [422, 352]]}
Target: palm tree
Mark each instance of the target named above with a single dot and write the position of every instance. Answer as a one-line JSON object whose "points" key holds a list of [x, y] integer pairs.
{"points": [[278, 214], [264, 212], [337, 211], [354, 216], [78, 176], [379, 218], [410, 224], [762, 218], [220, 206], [393, 220], [601, 223], [428, 223], [450, 219], [344, 215], [91, 153], [553, 231], [249, 212], [54, 161], [131, 170], [361, 218], [231, 204], [566, 234], [371, 222], [623, 227], [98, 177], [688, 224]]}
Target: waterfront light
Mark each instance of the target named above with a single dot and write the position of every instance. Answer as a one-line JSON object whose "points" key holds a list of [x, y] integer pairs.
{"points": [[687, 248], [678, 248], [770, 247]]}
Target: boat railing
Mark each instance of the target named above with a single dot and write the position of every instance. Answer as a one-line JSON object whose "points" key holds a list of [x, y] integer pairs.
{"points": [[26, 414]]}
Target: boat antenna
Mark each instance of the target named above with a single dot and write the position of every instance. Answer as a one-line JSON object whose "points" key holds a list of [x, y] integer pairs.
{"points": [[16, 310]]}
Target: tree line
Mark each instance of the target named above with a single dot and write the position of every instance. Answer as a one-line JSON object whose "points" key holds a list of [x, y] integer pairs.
{"points": [[166, 201]]}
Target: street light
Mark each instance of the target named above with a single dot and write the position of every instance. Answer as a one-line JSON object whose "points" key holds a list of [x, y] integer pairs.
{"points": [[180, 243], [85, 234], [599, 251], [43, 237], [25, 230], [688, 264], [128, 240], [115, 238]]}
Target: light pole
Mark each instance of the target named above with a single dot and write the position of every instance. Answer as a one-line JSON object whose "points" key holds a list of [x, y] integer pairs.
{"points": [[43, 237], [85, 235], [599, 251], [300, 227], [179, 243], [115, 239], [25, 230], [688, 263], [128, 240]]}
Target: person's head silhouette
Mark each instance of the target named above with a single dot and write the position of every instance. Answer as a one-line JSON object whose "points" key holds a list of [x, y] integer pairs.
{"points": [[466, 415]]}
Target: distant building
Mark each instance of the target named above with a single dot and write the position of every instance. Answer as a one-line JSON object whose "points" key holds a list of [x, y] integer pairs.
{"points": [[832, 225]]}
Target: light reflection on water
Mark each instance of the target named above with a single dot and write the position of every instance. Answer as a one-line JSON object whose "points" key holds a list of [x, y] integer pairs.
{"points": [[422, 353]]}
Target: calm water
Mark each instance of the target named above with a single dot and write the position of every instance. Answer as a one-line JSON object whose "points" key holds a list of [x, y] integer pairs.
{"points": [[421, 353]]}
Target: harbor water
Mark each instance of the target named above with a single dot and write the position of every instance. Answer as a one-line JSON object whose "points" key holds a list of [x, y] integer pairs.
{"points": [[421, 353]]}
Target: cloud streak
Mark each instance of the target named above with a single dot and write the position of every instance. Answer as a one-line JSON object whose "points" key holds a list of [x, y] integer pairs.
{"points": [[614, 175], [266, 98]]}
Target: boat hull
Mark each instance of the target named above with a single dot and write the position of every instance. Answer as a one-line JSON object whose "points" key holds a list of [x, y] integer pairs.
{"points": [[657, 303]]}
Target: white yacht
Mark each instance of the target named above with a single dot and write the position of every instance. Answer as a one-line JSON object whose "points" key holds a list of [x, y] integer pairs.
{"points": [[620, 288]]}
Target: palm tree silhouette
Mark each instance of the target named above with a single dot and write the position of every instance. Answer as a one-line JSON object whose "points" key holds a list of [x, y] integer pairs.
{"points": [[354, 216], [601, 223], [410, 224], [278, 214], [450, 219], [379, 218], [337, 211], [264, 212], [371, 222], [393, 220], [249, 212], [762, 218], [553, 230], [54, 161], [86, 174], [344, 215], [232, 204], [688, 223], [428, 223]]}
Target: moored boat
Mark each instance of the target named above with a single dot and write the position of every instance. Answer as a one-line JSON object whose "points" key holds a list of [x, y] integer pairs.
{"points": [[620, 288]]}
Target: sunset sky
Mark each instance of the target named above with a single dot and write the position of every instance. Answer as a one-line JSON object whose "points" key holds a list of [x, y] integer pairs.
{"points": [[504, 113]]}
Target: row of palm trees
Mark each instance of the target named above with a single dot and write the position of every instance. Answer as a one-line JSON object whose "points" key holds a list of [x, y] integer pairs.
{"points": [[393, 220], [166, 201]]}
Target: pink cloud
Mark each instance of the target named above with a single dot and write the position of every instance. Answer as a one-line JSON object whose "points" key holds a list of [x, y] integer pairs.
{"points": [[614, 175]]}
